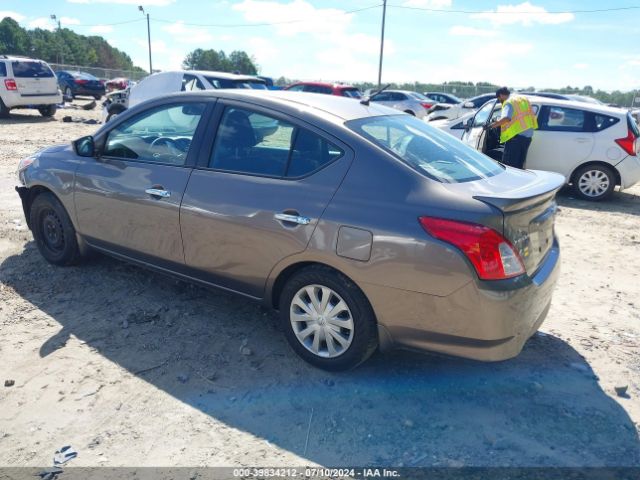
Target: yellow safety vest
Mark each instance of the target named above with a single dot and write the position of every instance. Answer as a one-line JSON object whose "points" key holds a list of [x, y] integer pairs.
{"points": [[522, 119]]}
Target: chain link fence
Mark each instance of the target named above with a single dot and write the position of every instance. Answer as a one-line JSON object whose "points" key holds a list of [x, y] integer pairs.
{"points": [[103, 73]]}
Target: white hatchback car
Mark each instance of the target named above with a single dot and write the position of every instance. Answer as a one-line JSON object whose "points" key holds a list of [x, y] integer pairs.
{"points": [[594, 146], [27, 83]]}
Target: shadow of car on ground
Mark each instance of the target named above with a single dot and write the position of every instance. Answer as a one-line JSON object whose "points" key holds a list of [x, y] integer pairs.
{"points": [[543, 408]]}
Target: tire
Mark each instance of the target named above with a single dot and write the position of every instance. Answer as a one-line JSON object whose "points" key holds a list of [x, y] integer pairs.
{"points": [[4, 111], [355, 324], [68, 93], [97, 97], [48, 110], [594, 182], [53, 231]]}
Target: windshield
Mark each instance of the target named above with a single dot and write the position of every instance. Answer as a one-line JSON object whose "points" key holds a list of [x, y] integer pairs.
{"points": [[430, 151], [31, 70], [255, 84]]}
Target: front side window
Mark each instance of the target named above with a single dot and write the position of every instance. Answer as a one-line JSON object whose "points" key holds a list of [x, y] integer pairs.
{"points": [[257, 144], [160, 135], [381, 97], [483, 115], [31, 70], [428, 150]]}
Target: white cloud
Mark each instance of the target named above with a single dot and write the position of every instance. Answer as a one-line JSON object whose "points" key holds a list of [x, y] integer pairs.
{"points": [[45, 23], [187, 34], [18, 17], [461, 30], [157, 3], [427, 3], [101, 29], [69, 21], [525, 14], [262, 49]]}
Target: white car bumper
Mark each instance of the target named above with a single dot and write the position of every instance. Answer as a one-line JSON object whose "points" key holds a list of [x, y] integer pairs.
{"points": [[629, 170], [15, 100]]}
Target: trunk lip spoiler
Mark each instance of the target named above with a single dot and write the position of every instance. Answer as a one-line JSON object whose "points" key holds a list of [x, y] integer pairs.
{"points": [[534, 195]]}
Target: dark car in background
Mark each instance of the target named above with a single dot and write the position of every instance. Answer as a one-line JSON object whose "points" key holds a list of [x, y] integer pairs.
{"points": [[74, 84], [441, 97]]}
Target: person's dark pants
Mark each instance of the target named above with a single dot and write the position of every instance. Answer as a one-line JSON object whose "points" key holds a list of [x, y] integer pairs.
{"points": [[515, 151]]}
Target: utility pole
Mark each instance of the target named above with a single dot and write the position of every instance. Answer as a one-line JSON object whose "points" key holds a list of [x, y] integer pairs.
{"points": [[148, 37], [55, 19], [384, 14]]}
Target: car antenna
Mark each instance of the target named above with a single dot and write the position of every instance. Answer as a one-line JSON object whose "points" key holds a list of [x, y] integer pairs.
{"points": [[367, 99]]}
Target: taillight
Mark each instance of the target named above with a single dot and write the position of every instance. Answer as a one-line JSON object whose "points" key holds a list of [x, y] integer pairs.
{"points": [[10, 84], [426, 105], [80, 81], [628, 143], [492, 255]]}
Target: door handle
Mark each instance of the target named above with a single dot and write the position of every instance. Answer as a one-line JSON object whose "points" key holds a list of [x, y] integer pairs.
{"points": [[286, 217], [158, 192]]}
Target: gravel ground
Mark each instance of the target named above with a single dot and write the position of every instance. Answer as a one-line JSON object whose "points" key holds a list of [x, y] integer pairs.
{"points": [[133, 368]]}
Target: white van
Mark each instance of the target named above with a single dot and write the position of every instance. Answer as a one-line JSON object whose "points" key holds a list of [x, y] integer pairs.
{"points": [[27, 83], [594, 146]]}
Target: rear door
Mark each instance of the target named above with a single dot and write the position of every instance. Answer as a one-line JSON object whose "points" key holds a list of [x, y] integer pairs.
{"points": [[257, 197], [563, 141], [34, 78], [128, 200]]}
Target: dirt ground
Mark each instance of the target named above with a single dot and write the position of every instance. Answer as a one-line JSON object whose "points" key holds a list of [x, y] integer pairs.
{"points": [[133, 368]]}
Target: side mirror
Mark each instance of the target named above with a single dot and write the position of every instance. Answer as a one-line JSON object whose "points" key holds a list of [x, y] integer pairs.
{"points": [[85, 146], [468, 105]]}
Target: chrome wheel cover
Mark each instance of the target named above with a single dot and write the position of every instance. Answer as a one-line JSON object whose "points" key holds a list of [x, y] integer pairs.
{"points": [[594, 183], [321, 321]]}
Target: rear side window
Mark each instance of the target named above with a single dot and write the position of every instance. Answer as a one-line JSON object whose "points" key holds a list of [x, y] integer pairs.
{"points": [[3, 69], [562, 119], [351, 93], [257, 144], [429, 151], [31, 70], [602, 122], [296, 88]]}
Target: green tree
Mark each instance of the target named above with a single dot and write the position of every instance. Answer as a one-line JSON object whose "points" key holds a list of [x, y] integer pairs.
{"points": [[210, 59]]}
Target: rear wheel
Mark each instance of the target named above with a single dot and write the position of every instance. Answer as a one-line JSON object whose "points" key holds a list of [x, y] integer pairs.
{"points": [[327, 319], [53, 231], [48, 110], [4, 111], [97, 97], [594, 182]]}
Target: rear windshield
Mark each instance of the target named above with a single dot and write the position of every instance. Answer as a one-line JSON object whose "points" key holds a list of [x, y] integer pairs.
{"points": [[419, 96], [84, 76], [227, 83], [633, 126], [31, 70], [351, 92], [430, 151]]}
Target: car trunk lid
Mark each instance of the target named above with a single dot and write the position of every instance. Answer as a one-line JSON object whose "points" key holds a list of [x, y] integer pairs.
{"points": [[529, 209]]}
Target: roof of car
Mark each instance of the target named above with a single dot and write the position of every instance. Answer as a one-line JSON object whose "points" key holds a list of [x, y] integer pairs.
{"points": [[593, 107], [330, 107], [225, 75]]}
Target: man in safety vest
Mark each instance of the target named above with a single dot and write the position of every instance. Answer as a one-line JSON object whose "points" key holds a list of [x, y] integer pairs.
{"points": [[517, 123]]}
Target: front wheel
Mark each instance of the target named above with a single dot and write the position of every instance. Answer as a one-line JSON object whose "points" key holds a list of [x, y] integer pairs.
{"points": [[594, 182], [4, 111], [327, 319], [68, 93], [53, 231]]}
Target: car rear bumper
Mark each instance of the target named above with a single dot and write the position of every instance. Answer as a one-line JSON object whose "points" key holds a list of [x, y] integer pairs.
{"points": [[629, 170], [15, 99], [479, 321]]}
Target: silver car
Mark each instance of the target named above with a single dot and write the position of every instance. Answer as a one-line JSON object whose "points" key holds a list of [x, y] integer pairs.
{"points": [[413, 103], [365, 227]]}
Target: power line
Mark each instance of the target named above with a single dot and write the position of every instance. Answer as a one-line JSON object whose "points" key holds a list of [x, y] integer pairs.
{"points": [[496, 12], [106, 24]]}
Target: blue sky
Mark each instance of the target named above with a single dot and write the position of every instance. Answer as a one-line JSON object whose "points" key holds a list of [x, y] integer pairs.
{"points": [[527, 46]]}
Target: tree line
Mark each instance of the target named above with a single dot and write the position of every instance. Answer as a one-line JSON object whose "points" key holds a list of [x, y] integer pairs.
{"points": [[61, 46], [218, 61]]}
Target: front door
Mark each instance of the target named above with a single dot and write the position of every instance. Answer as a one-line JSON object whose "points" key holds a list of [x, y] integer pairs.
{"points": [[258, 196], [129, 198], [475, 135]]}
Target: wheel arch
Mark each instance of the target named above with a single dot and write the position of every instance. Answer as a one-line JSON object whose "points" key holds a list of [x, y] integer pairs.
{"points": [[596, 163]]}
